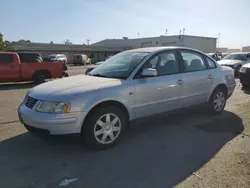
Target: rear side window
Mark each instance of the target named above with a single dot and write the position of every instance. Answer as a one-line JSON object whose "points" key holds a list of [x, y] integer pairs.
{"points": [[6, 59], [193, 61], [210, 63], [30, 58]]}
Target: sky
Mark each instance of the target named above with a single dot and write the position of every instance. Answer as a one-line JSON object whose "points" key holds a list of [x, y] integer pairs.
{"points": [[80, 20]]}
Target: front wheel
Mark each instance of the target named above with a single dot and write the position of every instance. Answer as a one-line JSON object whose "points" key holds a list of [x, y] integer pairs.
{"points": [[218, 100], [104, 127]]}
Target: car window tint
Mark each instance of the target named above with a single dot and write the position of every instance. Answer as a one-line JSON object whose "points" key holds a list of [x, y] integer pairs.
{"points": [[6, 58], [210, 63], [165, 63], [192, 61], [30, 58]]}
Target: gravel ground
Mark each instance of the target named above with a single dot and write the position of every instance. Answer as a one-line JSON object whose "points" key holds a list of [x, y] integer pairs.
{"points": [[186, 149]]}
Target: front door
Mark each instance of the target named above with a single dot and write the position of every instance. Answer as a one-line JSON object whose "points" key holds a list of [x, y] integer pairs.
{"points": [[158, 94], [9, 71]]}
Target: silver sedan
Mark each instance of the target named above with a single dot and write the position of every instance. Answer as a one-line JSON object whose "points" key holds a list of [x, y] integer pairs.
{"points": [[130, 85]]}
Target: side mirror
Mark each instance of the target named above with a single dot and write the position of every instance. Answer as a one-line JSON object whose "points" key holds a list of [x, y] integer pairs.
{"points": [[149, 72]]}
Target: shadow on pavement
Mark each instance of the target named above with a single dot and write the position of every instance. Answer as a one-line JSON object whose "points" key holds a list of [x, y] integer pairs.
{"points": [[14, 86], [160, 152]]}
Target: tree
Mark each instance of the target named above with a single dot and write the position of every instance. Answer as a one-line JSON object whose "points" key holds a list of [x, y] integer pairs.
{"points": [[67, 41], [3, 44], [24, 41]]}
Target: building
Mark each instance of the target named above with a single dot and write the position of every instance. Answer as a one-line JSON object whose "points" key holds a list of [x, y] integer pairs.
{"points": [[246, 49], [205, 44], [232, 50], [96, 53]]}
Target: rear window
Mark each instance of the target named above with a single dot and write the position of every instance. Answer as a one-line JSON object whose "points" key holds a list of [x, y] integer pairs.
{"points": [[78, 57], [6, 58], [30, 58]]}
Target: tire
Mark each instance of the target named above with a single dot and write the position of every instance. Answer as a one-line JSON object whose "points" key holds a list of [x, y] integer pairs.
{"points": [[39, 78], [218, 100], [99, 132]]}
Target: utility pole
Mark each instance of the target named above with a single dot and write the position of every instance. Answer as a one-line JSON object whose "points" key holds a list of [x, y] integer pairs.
{"points": [[88, 41], [166, 32], [218, 40]]}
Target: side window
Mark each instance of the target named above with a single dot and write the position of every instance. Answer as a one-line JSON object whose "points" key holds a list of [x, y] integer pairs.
{"points": [[210, 63], [6, 59], [248, 56], [165, 63], [192, 61]]}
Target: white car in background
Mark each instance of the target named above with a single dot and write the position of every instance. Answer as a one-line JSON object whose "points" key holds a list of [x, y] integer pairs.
{"points": [[235, 60], [58, 57]]}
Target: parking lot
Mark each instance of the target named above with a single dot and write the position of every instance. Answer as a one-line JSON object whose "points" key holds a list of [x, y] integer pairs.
{"points": [[187, 149]]}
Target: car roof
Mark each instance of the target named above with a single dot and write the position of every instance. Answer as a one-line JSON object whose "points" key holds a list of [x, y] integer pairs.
{"points": [[158, 49]]}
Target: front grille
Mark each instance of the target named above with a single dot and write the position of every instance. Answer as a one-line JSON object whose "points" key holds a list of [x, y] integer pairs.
{"points": [[30, 103]]}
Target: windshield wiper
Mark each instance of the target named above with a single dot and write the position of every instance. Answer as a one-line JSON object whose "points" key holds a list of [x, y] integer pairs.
{"points": [[99, 75]]}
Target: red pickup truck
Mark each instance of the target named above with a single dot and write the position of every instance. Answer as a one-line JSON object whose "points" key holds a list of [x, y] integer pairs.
{"points": [[15, 67]]}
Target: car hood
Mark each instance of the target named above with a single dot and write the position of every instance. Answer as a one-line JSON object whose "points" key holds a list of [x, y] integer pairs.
{"points": [[229, 62], [247, 65], [71, 85]]}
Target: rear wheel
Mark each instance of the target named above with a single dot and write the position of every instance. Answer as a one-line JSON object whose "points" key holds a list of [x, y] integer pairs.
{"points": [[104, 127], [218, 100], [39, 78]]}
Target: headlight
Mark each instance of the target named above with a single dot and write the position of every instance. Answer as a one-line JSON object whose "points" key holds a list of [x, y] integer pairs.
{"points": [[243, 69], [53, 107]]}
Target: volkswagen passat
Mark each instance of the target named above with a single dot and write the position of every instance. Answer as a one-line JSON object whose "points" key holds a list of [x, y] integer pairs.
{"points": [[130, 85]]}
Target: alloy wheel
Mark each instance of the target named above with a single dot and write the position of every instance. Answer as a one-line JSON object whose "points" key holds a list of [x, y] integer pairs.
{"points": [[107, 128], [219, 101]]}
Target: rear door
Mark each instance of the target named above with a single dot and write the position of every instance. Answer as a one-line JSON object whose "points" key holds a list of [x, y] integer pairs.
{"points": [[9, 70], [197, 79]]}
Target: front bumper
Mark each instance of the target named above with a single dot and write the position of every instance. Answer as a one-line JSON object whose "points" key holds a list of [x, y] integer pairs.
{"points": [[55, 124]]}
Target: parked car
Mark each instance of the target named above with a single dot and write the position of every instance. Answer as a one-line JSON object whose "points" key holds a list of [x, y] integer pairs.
{"points": [[245, 75], [130, 85], [91, 67], [58, 57], [224, 54], [52, 60], [235, 60], [215, 56], [27, 67], [81, 59]]}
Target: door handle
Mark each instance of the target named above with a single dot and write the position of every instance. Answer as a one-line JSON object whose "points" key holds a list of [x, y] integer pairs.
{"points": [[180, 82], [210, 77]]}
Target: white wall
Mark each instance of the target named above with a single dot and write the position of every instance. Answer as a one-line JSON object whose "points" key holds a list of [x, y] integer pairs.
{"points": [[201, 43], [246, 49]]}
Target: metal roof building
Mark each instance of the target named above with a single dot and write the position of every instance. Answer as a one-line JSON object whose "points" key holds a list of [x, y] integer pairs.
{"points": [[205, 44]]}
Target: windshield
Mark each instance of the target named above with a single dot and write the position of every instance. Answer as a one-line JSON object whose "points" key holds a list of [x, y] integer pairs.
{"points": [[240, 57], [119, 66], [52, 56]]}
